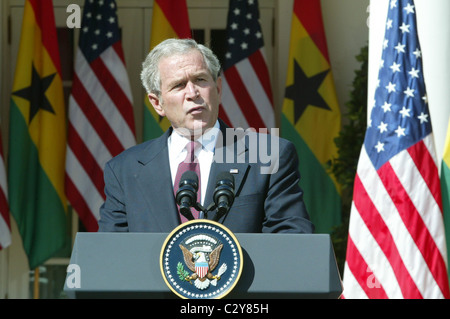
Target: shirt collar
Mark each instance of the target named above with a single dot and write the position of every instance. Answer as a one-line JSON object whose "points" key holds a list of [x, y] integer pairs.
{"points": [[207, 140]]}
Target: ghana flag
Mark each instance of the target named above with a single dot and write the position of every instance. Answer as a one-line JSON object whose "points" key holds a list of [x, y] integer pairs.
{"points": [[445, 188], [311, 117], [37, 137], [170, 20]]}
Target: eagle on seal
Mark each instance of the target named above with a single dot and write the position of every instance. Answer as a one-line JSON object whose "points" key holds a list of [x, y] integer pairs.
{"points": [[201, 268]]}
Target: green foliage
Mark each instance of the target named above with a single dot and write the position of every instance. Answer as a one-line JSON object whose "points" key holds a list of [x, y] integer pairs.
{"points": [[182, 273], [349, 142]]}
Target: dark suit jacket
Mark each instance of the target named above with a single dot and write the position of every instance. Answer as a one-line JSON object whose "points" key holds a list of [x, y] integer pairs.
{"points": [[139, 191]]}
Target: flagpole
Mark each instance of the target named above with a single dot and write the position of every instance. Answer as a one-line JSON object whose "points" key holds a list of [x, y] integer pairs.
{"points": [[36, 283]]}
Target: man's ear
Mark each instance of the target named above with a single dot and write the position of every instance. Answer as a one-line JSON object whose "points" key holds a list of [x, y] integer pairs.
{"points": [[155, 102]]}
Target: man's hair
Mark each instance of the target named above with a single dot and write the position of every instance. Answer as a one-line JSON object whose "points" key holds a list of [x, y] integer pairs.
{"points": [[150, 76]]}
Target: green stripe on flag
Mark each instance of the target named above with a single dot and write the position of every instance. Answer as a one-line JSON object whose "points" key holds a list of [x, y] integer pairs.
{"points": [[151, 126], [34, 202], [445, 188], [320, 195]]}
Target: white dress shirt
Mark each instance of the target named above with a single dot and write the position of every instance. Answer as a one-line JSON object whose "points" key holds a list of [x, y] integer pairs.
{"points": [[205, 154]]}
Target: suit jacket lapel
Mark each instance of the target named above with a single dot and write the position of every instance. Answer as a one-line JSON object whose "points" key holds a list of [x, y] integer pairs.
{"points": [[154, 179], [221, 164]]}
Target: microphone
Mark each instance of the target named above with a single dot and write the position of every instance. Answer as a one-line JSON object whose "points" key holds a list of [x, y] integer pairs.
{"points": [[224, 193], [187, 193]]}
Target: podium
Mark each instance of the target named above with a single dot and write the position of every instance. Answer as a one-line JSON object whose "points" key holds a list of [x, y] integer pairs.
{"points": [[126, 265]]}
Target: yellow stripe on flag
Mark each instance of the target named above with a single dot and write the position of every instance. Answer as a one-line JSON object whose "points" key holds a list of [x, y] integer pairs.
{"points": [[161, 28], [446, 155]]}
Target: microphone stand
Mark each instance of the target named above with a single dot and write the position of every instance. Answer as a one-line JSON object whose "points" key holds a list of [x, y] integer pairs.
{"points": [[202, 212]]}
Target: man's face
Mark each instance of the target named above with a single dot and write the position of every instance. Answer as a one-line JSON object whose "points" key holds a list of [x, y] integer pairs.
{"points": [[189, 96]]}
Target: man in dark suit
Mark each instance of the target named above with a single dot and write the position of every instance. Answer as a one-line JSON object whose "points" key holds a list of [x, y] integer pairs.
{"points": [[182, 81]]}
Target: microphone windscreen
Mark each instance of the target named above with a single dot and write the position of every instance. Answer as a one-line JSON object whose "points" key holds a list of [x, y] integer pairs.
{"points": [[225, 176], [189, 175]]}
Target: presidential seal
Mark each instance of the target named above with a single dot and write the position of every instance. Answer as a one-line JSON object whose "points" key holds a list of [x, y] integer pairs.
{"points": [[201, 259]]}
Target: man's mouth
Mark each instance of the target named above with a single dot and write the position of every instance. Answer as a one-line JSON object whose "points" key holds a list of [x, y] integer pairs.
{"points": [[196, 110]]}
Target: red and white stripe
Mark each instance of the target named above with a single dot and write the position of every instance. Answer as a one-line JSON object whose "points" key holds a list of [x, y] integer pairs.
{"points": [[5, 225], [202, 270], [101, 125], [396, 242], [247, 99]]}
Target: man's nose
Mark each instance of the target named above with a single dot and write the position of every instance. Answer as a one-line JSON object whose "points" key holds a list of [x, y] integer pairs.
{"points": [[191, 91]]}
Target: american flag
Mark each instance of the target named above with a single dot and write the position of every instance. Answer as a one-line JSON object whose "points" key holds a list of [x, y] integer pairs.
{"points": [[396, 244], [5, 225], [101, 122], [246, 90]]}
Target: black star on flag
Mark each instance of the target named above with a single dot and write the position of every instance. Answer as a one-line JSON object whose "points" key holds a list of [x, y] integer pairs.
{"points": [[304, 91], [35, 93]]}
